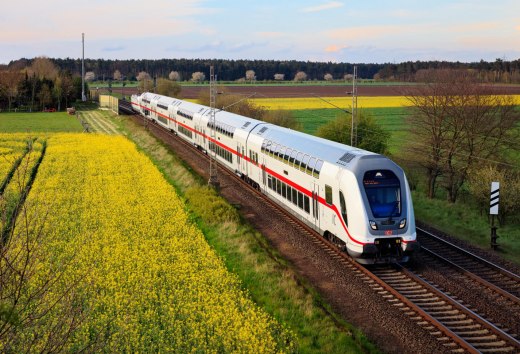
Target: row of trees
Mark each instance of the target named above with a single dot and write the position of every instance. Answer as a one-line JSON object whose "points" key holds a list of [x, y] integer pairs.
{"points": [[499, 71], [38, 86], [231, 70]]}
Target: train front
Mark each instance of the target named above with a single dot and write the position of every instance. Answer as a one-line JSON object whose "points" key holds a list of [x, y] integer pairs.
{"points": [[390, 223]]}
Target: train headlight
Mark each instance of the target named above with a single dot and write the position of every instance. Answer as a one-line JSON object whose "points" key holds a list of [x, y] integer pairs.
{"points": [[402, 224], [373, 225]]}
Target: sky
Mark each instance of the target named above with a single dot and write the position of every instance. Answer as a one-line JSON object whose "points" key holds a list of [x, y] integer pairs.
{"points": [[353, 31]]}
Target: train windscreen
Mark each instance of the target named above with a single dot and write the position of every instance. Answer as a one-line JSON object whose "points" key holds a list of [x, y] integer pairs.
{"points": [[383, 191]]}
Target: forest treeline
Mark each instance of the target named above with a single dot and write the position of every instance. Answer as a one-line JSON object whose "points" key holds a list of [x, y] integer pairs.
{"points": [[231, 70]]}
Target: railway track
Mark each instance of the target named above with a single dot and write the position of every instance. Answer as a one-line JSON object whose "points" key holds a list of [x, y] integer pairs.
{"points": [[457, 327], [489, 275]]}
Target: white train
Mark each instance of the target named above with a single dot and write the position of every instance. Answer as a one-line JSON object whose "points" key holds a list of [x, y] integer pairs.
{"points": [[358, 199]]}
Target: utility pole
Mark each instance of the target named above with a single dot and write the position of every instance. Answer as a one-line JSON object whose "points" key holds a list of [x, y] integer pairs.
{"points": [[353, 129], [213, 178], [83, 97]]}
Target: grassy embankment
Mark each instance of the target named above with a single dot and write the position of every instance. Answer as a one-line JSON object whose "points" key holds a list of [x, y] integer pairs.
{"points": [[269, 280]]}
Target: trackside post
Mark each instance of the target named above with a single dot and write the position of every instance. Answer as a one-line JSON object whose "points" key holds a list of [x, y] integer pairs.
{"points": [[493, 210]]}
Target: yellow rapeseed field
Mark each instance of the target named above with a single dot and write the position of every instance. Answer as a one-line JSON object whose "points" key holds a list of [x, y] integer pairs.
{"points": [[141, 274], [317, 103], [328, 102]]}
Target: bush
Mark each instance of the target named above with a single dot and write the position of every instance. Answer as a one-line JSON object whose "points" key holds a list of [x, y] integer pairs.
{"points": [[212, 208]]}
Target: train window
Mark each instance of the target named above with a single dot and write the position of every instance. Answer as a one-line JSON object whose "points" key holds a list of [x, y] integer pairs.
{"points": [[274, 149], [310, 166], [294, 196], [289, 193], [383, 191], [328, 194], [270, 182], [282, 152], [300, 200], [284, 190], [287, 154], [278, 186], [343, 207], [305, 161], [293, 156], [264, 143], [306, 204], [298, 161], [268, 147], [317, 168]]}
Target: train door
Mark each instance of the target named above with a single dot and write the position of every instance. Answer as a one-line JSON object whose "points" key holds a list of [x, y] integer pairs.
{"points": [[264, 176], [154, 110], [316, 205], [240, 159], [197, 136]]}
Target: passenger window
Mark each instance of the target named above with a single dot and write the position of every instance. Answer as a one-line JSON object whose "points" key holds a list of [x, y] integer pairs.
{"points": [[304, 163], [328, 194], [311, 164], [343, 207], [298, 160], [293, 156]]}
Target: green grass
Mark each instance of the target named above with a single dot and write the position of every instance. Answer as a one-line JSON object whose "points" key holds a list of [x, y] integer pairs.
{"points": [[39, 122], [390, 119], [465, 221]]}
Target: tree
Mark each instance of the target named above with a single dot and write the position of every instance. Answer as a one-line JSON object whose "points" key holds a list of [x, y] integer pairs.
{"points": [[9, 83], [282, 118], [44, 68], [143, 75], [279, 77], [90, 76], [168, 88], [174, 76], [349, 77], [45, 96], [233, 103], [250, 75], [479, 184], [117, 75], [370, 136], [145, 82], [328, 77], [300, 76], [198, 76], [455, 123], [58, 91], [68, 88]]}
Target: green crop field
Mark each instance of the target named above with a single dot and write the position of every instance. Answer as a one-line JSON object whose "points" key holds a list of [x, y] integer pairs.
{"points": [[39, 122], [390, 119]]}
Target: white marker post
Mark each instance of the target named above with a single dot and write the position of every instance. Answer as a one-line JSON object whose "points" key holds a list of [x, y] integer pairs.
{"points": [[493, 210]]}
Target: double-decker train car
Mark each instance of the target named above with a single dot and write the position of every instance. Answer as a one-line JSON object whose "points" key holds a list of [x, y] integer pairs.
{"points": [[355, 198]]}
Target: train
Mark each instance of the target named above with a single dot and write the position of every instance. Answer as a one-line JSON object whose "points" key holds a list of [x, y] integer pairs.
{"points": [[357, 199]]}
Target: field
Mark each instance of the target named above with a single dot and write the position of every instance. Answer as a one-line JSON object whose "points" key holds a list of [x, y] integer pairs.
{"points": [[39, 122]]}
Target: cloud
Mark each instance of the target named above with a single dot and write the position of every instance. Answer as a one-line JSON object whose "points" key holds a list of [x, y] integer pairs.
{"points": [[327, 6], [334, 48], [518, 28], [103, 20], [114, 49]]}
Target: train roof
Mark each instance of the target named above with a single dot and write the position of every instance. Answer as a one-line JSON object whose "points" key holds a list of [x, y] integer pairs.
{"points": [[320, 148]]}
